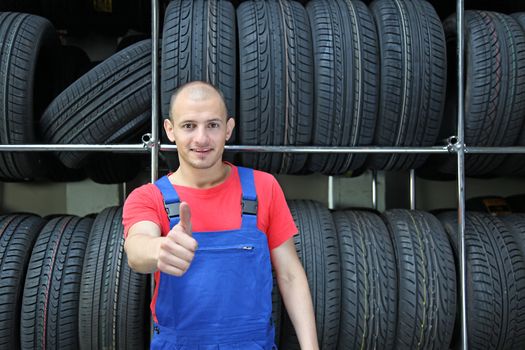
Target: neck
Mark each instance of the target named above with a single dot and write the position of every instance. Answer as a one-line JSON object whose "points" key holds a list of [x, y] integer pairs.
{"points": [[200, 178]]}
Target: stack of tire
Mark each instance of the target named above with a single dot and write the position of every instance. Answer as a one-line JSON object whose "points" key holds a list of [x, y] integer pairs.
{"points": [[330, 74], [494, 93], [108, 104], [389, 281], [386, 281], [65, 284]]}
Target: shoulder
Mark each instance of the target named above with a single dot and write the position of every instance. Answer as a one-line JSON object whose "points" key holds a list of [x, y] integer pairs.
{"points": [[146, 190], [147, 195], [263, 178]]}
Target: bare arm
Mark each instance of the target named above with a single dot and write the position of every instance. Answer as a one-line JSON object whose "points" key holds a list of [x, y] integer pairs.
{"points": [[148, 252], [295, 292], [142, 246]]}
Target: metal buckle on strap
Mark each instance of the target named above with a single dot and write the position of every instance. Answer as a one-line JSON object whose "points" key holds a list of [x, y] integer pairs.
{"points": [[173, 209], [249, 207]]}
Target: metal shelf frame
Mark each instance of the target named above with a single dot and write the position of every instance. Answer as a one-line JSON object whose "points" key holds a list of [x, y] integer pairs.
{"points": [[455, 145]]}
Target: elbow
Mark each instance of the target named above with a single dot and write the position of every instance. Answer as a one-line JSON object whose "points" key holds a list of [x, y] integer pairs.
{"points": [[132, 263], [141, 254], [286, 278]]}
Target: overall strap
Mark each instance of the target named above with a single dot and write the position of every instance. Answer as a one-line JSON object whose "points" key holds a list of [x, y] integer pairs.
{"points": [[171, 199], [249, 196]]}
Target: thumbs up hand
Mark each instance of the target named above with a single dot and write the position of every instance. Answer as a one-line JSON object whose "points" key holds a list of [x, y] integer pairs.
{"points": [[178, 248]]}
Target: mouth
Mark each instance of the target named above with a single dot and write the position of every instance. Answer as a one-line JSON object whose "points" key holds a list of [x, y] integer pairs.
{"points": [[201, 151]]}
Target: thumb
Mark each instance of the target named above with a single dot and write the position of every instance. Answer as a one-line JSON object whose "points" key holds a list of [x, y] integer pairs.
{"points": [[185, 217]]}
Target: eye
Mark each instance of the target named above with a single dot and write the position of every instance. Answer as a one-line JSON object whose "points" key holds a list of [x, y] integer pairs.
{"points": [[214, 125], [187, 126]]}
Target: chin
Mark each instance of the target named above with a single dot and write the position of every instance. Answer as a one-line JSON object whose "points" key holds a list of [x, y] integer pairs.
{"points": [[204, 164]]}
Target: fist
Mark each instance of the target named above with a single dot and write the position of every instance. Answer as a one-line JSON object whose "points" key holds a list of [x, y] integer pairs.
{"points": [[178, 248]]}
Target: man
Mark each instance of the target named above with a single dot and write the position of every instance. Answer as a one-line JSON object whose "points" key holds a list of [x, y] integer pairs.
{"points": [[211, 257]]}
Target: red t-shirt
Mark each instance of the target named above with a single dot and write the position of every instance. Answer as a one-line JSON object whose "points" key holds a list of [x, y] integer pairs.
{"points": [[217, 208]]}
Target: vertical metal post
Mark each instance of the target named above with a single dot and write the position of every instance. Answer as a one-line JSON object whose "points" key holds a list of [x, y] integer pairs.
{"points": [[461, 171], [412, 189], [331, 204], [154, 114], [374, 189], [154, 90]]}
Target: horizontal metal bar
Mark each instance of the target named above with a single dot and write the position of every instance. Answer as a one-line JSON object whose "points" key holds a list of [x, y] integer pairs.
{"points": [[494, 150], [319, 149], [78, 147], [139, 148]]}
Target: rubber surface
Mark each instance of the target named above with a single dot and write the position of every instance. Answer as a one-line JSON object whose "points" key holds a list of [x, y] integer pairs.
{"points": [[317, 248], [113, 311], [427, 280], [104, 106], [346, 86], [27, 45], [275, 82], [495, 282], [494, 88], [368, 281], [18, 233], [413, 70], [49, 316]]}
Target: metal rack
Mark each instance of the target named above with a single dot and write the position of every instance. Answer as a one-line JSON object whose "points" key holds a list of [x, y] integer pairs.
{"points": [[455, 145]]}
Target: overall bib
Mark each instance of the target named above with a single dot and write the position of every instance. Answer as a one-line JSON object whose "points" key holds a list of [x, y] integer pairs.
{"points": [[224, 300]]}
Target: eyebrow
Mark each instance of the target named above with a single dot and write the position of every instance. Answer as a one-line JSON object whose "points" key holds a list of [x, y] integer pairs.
{"points": [[207, 121]]}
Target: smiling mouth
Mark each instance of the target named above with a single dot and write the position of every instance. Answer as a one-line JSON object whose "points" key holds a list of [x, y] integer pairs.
{"points": [[202, 151]]}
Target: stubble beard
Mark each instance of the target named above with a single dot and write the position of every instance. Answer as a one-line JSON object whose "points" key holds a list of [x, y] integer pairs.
{"points": [[207, 163]]}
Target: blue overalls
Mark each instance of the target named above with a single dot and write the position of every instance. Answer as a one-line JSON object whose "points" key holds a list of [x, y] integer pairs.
{"points": [[224, 300]]}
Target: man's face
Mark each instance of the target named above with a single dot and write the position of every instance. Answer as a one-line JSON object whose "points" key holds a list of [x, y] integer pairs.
{"points": [[200, 129]]}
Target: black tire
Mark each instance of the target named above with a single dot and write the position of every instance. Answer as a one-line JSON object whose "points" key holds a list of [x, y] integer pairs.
{"points": [[317, 247], [114, 168], [199, 43], [516, 225], [515, 164], [495, 281], [107, 104], [113, 309], [73, 63], [58, 172], [368, 282], [275, 82], [345, 51], [27, 46], [413, 80], [17, 236], [494, 87], [427, 280], [52, 287]]}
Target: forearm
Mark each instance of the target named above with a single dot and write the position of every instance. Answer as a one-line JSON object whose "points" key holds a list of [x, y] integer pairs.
{"points": [[142, 252], [297, 299]]}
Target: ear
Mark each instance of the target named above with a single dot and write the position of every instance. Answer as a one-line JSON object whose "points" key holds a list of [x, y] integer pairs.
{"points": [[168, 128], [230, 124]]}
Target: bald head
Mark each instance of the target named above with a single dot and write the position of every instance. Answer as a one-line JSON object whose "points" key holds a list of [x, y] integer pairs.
{"points": [[196, 91]]}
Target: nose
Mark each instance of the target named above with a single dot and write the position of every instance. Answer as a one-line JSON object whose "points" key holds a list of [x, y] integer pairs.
{"points": [[201, 135]]}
